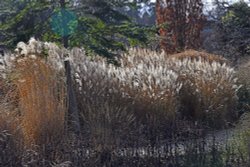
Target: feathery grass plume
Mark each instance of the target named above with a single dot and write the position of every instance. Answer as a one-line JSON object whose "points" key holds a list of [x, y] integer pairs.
{"points": [[209, 92], [41, 101], [50, 52], [149, 94], [107, 121], [154, 90], [209, 87]]}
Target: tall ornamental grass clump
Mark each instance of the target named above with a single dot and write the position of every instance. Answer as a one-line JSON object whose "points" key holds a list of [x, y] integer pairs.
{"points": [[107, 121], [10, 136], [154, 86], [209, 92], [157, 88], [203, 56], [147, 91], [41, 101], [32, 112]]}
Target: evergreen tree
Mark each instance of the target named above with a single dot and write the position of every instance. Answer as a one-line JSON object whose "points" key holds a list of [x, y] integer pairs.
{"points": [[97, 25]]}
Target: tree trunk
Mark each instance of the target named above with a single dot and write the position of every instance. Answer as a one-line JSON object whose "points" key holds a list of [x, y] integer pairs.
{"points": [[181, 22], [73, 113]]}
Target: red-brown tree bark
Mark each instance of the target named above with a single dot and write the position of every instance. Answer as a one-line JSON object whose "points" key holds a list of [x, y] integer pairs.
{"points": [[181, 22]]}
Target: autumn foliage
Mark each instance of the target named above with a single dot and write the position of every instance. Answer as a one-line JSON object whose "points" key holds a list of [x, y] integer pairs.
{"points": [[41, 101], [180, 22]]}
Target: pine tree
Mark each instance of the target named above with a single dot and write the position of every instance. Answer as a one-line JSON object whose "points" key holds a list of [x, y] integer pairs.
{"points": [[96, 25]]}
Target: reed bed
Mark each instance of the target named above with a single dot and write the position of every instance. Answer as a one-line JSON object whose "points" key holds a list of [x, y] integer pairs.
{"points": [[150, 98], [154, 85]]}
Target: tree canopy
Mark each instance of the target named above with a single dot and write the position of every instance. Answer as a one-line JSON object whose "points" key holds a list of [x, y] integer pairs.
{"points": [[234, 30], [96, 25]]}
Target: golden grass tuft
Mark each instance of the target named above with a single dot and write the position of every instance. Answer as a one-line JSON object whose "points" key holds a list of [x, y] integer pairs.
{"points": [[204, 56], [41, 95], [210, 103]]}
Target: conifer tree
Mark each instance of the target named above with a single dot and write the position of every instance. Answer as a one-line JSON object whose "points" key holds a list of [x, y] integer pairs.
{"points": [[96, 25]]}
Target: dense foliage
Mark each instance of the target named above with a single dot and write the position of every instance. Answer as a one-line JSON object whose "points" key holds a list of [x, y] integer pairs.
{"points": [[236, 28], [230, 31], [98, 26]]}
